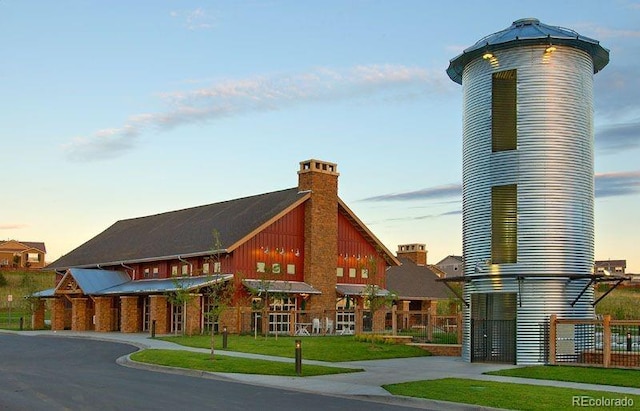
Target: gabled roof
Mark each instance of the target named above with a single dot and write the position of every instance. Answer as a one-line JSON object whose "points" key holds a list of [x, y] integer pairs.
{"points": [[415, 282], [359, 290], [91, 281], [362, 228], [24, 245], [184, 233], [279, 286], [165, 285]]}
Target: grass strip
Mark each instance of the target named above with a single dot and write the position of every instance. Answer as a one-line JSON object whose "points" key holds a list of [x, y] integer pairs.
{"points": [[224, 363], [325, 348], [512, 396], [588, 375]]}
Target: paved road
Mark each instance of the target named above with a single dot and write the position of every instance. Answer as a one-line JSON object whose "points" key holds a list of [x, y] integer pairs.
{"points": [[39, 372]]}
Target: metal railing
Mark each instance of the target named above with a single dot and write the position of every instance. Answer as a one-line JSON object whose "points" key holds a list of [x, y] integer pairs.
{"points": [[601, 342]]}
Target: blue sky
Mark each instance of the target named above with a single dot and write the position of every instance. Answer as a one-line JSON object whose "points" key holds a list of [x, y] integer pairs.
{"points": [[119, 109]]}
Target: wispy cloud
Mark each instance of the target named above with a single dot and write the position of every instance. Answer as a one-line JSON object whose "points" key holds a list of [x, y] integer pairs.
{"points": [[618, 137], [14, 226], [197, 19], [376, 83], [433, 193], [601, 32], [617, 184], [607, 185], [617, 92]]}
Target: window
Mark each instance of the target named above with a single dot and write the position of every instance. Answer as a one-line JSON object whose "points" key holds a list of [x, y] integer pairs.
{"points": [[155, 272], [260, 267], [364, 273], [291, 268], [146, 273], [205, 268], [339, 272], [217, 267], [275, 268], [352, 272], [174, 270], [504, 224], [33, 257], [504, 111], [185, 269]]}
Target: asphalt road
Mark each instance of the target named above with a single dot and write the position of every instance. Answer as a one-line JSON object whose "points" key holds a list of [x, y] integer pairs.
{"points": [[38, 373]]}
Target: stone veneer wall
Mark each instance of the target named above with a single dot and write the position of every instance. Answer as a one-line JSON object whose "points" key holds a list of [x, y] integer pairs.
{"points": [[81, 314], [320, 231], [193, 315], [37, 319], [104, 320], [57, 314], [129, 314], [160, 313]]}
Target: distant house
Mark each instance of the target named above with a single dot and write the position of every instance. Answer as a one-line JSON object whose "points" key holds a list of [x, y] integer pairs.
{"points": [[296, 249], [611, 266], [415, 281], [451, 265], [22, 254]]}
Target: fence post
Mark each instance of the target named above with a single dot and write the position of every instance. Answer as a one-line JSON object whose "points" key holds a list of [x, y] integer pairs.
{"points": [[430, 325], [553, 320], [459, 327], [394, 320], [606, 343]]}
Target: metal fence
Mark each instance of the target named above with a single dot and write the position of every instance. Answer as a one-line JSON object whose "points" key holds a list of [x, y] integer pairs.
{"points": [[601, 342], [422, 326], [425, 327]]}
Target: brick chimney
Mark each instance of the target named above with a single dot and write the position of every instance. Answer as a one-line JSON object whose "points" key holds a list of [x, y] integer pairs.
{"points": [[320, 230], [415, 252]]}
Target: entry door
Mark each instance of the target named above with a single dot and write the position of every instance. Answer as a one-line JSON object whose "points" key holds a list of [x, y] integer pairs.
{"points": [[493, 327], [177, 318]]}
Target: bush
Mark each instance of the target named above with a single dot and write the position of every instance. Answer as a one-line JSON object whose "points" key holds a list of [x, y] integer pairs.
{"points": [[3, 281]]}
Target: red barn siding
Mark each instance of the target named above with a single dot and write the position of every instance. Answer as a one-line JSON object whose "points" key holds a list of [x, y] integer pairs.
{"points": [[281, 242], [355, 252]]}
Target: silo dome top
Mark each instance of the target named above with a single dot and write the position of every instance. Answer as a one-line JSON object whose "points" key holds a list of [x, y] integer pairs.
{"points": [[526, 32]]}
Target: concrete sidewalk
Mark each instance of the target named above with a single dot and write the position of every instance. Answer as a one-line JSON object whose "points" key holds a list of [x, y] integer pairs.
{"points": [[362, 384]]}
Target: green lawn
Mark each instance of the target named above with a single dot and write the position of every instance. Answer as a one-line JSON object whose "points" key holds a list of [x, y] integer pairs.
{"points": [[332, 349], [589, 375], [223, 363], [505, 395]]}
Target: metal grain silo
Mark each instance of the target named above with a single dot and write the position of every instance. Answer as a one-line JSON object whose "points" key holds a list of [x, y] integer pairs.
{"points": [[528, 188]]}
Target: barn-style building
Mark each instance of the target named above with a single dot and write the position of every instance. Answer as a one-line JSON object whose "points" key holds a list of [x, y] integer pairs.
{"points": [[300, 253]]}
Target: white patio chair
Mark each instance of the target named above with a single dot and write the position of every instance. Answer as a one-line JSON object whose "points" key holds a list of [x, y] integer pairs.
{"points": [[328, 326], [315, 326]]}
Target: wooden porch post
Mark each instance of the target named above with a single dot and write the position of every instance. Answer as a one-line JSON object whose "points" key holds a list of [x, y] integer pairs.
{"points": [[606, 343]]}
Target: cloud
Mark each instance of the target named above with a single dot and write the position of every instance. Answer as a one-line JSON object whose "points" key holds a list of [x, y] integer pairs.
{"points": [[197, 19], [433, 193], [617, 92], [15, 226], [618, 137], [377, 83], [617, 184], [601, 32]]}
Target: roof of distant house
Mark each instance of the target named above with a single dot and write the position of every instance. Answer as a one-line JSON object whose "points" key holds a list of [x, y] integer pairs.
{"points": [[415, 282], [28, 244]]}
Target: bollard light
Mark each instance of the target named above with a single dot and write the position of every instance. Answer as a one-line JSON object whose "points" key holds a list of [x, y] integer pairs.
{"points": [[628, 341], [224, 337], [298, 358], [153, 329]]}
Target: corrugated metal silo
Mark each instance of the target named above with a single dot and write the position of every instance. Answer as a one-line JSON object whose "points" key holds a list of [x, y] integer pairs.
{"points": [[528, 190]]}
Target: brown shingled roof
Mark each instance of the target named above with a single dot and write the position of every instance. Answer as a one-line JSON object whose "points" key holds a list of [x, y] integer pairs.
{"points": [[415, 282], [183, 232]]}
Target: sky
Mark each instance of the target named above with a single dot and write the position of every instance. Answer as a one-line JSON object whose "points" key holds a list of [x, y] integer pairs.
{"points": [[119, 109]]}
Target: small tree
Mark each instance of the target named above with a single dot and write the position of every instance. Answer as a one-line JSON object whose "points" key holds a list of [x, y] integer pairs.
{"points": [[221, 296], [372, 296], [30, 286]]}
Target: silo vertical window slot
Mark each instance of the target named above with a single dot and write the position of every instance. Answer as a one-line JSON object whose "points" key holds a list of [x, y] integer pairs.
{"points": [[504, 224], [503, 111]]}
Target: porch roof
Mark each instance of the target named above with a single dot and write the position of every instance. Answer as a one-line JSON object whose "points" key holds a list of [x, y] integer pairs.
{"points": [[359, 289], [163, 285], [279, 286]]}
